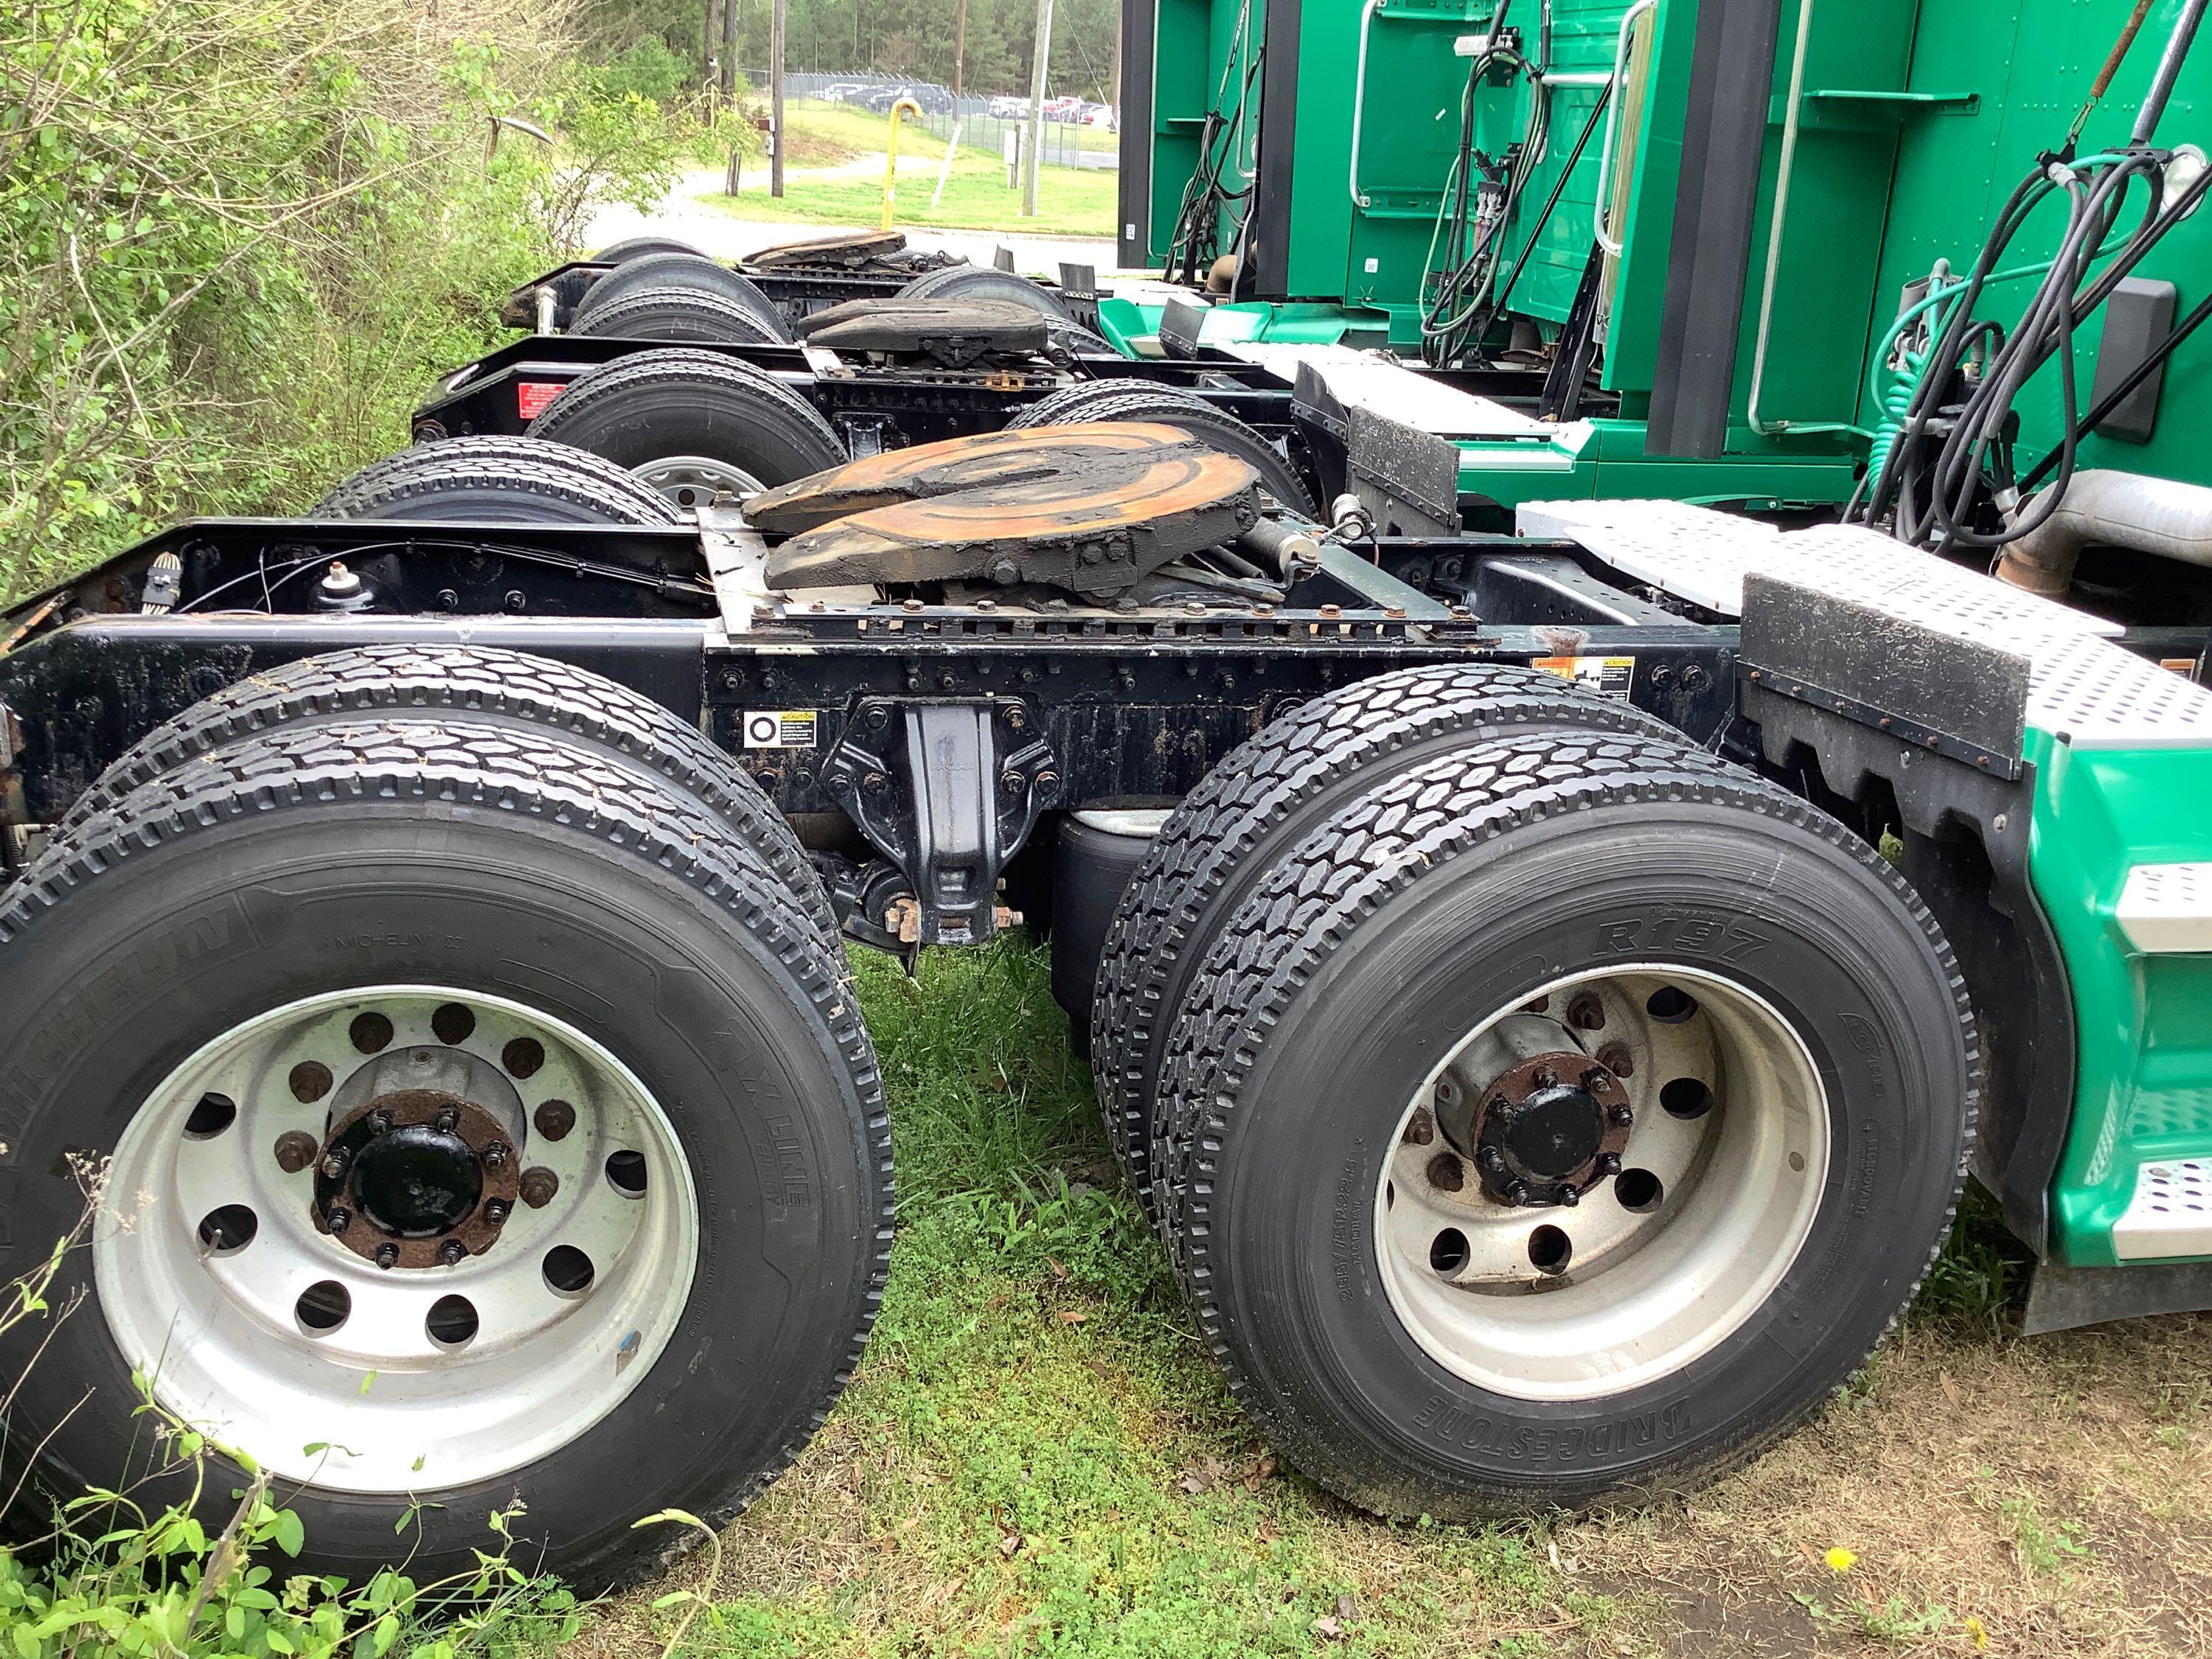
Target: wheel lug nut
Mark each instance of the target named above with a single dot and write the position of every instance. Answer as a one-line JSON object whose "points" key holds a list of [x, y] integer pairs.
{"points": [[379, 1122], [1569, 1196], [1492, 1160], [539, 1184], [334, 1162], [1608, 1163], [295, 1151], [553, 1119], [1543, 1077], [496, 1211], [451, 1251], [1420, 1132], [1586, 1013], [496, 1154], [1445, 1174], [387, 1256], [447, 1121], [1622, 1116], [1616, 1059], [337, 1220], [1517, 1194]]}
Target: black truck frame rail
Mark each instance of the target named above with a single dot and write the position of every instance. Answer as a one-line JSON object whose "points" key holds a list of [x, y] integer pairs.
{"points": [[922, 748]]}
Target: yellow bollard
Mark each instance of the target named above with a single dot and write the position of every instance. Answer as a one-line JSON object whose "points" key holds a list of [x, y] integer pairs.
{"points": [[890, 157]]}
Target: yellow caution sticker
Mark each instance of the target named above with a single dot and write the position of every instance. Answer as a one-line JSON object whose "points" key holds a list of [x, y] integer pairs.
{"points": [[1608, 677]]}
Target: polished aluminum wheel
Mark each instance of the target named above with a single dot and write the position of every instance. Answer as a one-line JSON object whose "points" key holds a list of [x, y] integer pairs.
{"points": [[396, 1239], [1602, 1182]]}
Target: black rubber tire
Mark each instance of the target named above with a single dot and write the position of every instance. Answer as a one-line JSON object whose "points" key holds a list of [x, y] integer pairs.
{"points": [[647, 407], [495, 479], [1258, 804], [1068, 406], [677, 269], [985, 282], [636, 247], [482, 685], [1374, 947], [1139, 400], [478, 858], [678, 315], [1091, 868]]}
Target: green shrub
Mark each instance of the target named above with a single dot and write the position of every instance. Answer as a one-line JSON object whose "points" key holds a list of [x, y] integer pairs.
{"points": [[239, 239]]}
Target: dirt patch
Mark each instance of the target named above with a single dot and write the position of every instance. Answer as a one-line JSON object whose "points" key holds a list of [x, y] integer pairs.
{"points": [[2002, 1496]]}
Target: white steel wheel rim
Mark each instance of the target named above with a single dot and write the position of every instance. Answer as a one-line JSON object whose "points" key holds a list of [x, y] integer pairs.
{"points": [[236, 1338], [1645, 1292], [696, 480]]}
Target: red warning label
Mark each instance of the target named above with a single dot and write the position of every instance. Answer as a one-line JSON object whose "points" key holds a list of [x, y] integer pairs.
{"points": [[530, 397]]}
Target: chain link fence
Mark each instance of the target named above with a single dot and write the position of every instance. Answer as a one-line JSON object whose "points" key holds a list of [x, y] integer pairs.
{"points": [[993, 125]]}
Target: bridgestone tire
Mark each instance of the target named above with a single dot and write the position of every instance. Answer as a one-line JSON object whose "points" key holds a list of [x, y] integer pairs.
{"points": [[1456, 889], [1137, 401], [678, 269], [497, 480], [656, 405], [487, 861], [982, 282], [1250, 810], [636, 247], [535, 697], [679, 314]]}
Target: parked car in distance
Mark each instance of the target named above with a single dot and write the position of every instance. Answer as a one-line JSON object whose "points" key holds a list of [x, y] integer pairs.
{"points": [[1100, 115], [1009, 109]]}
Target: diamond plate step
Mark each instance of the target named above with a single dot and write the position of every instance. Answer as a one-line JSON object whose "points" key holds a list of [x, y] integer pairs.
{"points": [[2166, 908], [2082, 689], [2170, 1213]]}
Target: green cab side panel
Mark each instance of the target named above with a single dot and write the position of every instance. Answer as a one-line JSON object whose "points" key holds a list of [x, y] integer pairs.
{"points": [[2143, 1023]]}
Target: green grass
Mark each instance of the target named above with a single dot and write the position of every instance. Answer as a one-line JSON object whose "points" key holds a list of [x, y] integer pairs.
{"points": [[1038, 1455], [1071, 201]]}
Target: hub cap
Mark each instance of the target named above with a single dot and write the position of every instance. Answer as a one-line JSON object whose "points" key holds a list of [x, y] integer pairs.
{"points": [[432, 1234], [1602, 1182]]}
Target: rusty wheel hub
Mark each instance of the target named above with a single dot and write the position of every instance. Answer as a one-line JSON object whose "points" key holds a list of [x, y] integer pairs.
{"points": [[1546, 1130], [417, 1178]]}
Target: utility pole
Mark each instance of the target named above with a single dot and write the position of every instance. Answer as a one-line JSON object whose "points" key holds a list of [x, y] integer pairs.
{"points": [[729, 50], [775, 100], [1040, 57], [959, 43]]}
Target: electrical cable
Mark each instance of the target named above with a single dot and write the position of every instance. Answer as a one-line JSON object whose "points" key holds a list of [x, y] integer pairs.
{"points": [[2118, 395], [1197, 216], [1452, 295]]}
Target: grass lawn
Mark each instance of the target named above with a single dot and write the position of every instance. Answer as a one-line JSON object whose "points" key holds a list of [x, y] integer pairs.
{"points": [[1071, 201], [1037, 1456]]}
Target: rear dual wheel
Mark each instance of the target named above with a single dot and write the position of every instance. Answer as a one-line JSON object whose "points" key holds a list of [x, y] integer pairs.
{"points": [[485, 1121], [1561, 1116]]}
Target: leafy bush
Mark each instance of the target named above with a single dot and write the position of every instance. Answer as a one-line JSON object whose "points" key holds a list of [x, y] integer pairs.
{"points": [[239, 238]]}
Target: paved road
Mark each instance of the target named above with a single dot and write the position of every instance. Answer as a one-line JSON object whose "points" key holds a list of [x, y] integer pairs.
{"points": [[727, 236]]}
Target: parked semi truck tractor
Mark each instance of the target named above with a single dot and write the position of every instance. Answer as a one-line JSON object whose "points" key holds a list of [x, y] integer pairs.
{"points": [[1604, 702]]}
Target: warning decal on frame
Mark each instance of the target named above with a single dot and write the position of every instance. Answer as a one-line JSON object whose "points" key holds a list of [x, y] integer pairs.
{"points": [[779, 728], [1607, 676]]}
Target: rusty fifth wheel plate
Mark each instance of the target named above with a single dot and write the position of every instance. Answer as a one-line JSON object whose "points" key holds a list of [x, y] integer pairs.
{"points": [[1091, 507], [955, 332], [839, 248]]}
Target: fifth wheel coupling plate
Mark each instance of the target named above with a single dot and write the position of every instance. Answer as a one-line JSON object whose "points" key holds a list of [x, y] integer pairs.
{"points": [[1091, 507]]}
